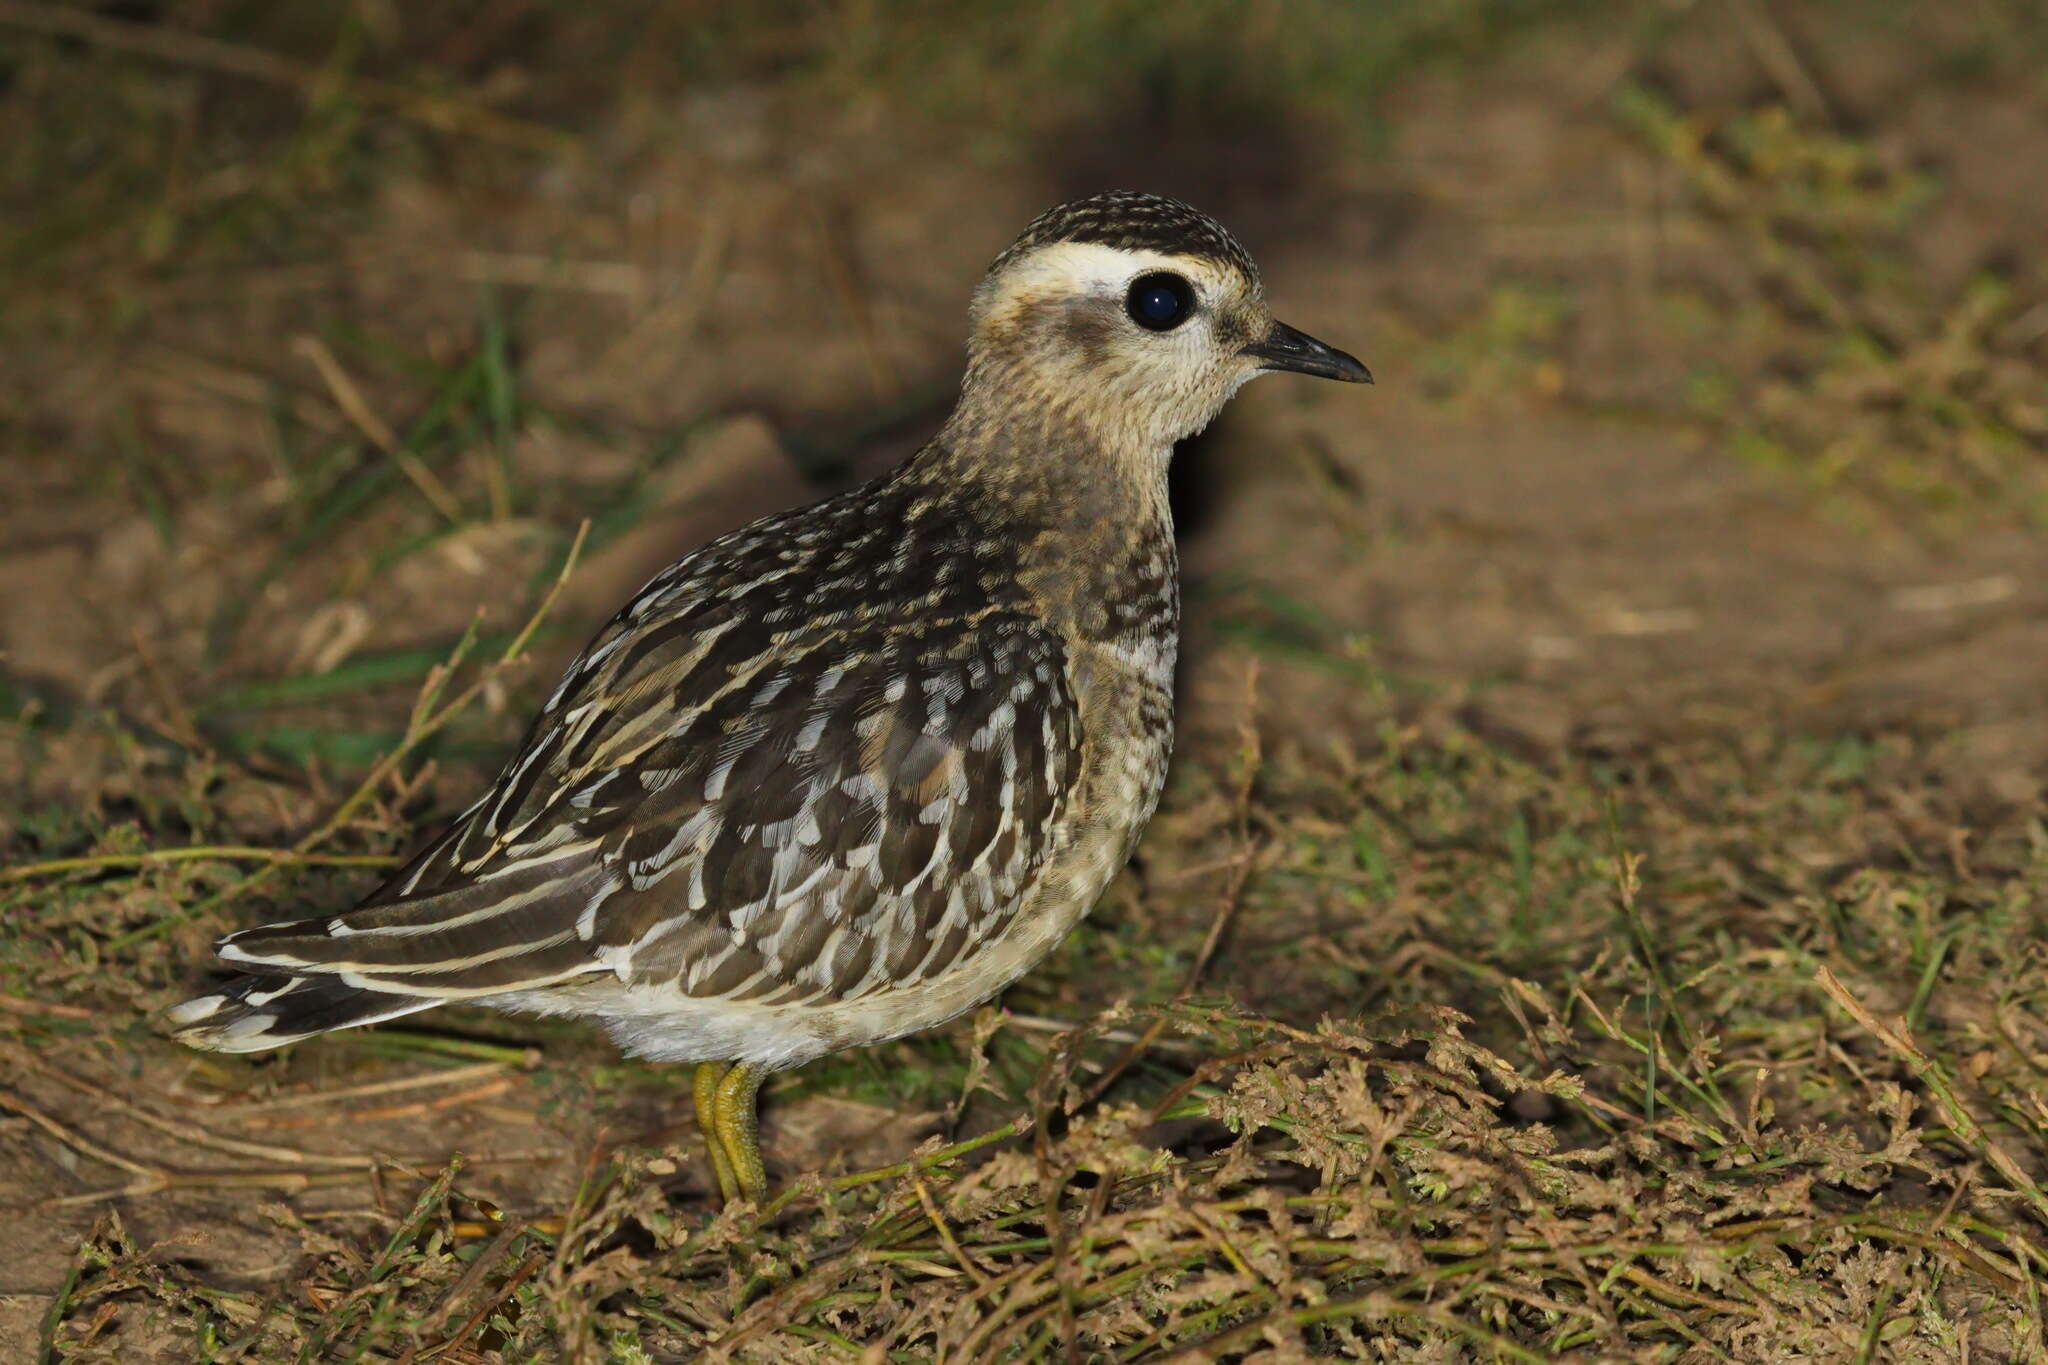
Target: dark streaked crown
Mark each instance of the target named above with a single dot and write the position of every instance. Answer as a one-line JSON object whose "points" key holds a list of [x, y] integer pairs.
{"points": [[1133, 221]]}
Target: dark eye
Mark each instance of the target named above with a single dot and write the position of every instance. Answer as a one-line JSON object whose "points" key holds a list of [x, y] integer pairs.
{"points": [[1160, 302]]}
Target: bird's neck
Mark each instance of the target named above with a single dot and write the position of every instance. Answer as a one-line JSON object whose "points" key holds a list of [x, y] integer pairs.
{"points": [[1084, 505], [1060, 459]]}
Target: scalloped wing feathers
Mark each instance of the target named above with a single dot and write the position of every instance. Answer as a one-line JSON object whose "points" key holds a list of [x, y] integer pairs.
{"points": [[745, 792]]}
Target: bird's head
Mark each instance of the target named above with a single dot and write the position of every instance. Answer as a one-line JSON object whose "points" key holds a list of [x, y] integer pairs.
{"points": [[1136, 313]]}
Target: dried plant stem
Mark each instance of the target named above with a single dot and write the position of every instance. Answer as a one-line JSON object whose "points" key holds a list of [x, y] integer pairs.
{"points": [[357, 409], [1014, 1128], [455, 1076], [234, 853]]}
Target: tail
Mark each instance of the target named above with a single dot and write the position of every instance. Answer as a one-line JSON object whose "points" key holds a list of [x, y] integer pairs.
{"points": [[251, 1013]]}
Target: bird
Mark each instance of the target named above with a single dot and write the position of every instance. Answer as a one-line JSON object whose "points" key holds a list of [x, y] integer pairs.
{"points": [[845, 773]]}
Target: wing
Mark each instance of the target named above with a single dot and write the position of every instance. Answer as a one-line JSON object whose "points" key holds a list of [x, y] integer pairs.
{"points": [[820, 759]]}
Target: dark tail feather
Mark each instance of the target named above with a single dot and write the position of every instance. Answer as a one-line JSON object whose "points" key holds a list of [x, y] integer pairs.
{"points": [[252, 1013]]}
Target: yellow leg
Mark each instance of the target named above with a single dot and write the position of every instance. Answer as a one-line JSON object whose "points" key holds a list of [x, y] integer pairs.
{"points": [[705, 1091], [739, 1129]]}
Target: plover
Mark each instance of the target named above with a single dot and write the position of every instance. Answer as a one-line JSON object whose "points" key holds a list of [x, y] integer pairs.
{"points": [[847, 772]]}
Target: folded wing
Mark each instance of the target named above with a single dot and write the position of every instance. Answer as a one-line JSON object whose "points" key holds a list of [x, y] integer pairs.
{"points": [[743, 793]]}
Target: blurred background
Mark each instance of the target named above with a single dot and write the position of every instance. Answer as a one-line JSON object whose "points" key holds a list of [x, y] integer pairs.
{"points": [[1711, 336], [1699, 505]]}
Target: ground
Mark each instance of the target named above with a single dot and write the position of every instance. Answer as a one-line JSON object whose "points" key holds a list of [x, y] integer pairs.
{"points": [[1597, 910]]}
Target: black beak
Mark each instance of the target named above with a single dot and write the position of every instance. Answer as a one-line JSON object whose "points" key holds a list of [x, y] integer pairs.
{"points": [[1283, 348]]}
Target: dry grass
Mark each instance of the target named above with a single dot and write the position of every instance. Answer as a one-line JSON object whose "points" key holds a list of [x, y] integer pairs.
{"points": [[1772, 1092], [1413, 1036]]}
